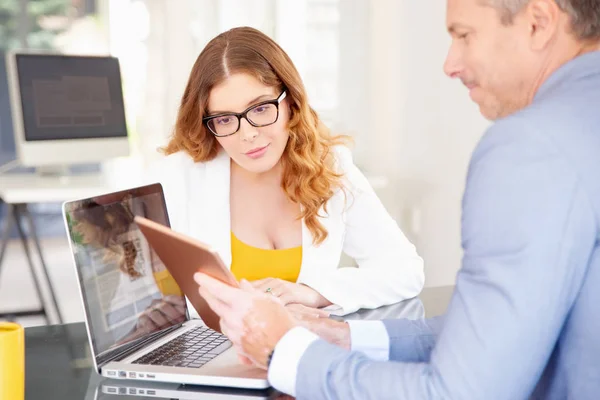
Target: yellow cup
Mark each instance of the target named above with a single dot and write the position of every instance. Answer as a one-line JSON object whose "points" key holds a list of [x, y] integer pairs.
{"points": [[12, 361]]}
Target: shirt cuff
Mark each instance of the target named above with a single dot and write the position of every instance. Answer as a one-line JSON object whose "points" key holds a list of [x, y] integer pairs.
{"points": [[370, 338], [286, 357]]}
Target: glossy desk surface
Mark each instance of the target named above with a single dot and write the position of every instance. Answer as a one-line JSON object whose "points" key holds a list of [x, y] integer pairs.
{"points": [[58, 363]]}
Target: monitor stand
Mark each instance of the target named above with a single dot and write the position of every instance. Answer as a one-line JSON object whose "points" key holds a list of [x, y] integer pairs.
{"points": [[62, 175], [53, 171]]}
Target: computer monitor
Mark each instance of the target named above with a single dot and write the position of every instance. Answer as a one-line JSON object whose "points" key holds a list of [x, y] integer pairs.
{"points": [[66, 109], [7, 141]]}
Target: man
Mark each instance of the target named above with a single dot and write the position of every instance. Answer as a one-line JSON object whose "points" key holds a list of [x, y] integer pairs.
{"points": [[525, 318]]}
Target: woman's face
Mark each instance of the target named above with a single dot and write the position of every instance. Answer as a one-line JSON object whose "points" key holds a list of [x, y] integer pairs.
{"points": [[256, 149]]}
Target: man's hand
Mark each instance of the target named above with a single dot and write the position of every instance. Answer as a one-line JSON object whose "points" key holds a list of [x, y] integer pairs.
{"points": [[289, 292], [252, 320], [317, 321], [298, 310]]}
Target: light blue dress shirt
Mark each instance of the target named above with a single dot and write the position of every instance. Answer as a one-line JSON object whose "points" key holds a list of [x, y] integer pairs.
{"points": [[524, 321]]}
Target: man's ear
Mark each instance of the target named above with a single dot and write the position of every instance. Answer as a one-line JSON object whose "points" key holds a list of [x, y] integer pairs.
{"points": [[544, 18]]}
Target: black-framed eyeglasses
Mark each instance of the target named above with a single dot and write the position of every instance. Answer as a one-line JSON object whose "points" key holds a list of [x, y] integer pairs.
{"points": [[262, 114]]}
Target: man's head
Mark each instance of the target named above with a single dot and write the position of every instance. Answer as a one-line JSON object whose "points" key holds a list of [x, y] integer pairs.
{"points": [[503, 50]]}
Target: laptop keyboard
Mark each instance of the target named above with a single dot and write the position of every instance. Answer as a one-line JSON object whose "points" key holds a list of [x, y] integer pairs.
{"points": [[193, 349]]}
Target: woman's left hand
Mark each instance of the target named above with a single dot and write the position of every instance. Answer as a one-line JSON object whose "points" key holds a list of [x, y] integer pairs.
{"points": [[289, 292]]}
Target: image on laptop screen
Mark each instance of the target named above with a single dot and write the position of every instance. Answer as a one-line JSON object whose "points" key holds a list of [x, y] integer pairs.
{"points": [[127, 291]]}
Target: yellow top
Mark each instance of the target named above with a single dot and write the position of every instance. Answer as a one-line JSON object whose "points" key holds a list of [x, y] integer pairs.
{"points": [[166, 283], [252, 263]]}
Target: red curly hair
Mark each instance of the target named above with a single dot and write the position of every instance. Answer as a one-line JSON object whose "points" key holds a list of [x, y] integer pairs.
{"points": [[309, 175]]}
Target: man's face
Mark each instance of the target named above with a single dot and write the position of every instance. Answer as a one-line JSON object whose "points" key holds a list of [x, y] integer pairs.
{"points": [[494, 61]]}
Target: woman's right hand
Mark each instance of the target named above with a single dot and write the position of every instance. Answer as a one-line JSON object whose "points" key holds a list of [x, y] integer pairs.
{"points": [[170, 310]]}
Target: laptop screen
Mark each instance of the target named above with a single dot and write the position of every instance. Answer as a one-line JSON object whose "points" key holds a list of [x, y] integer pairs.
{"points": [[127, 292]]}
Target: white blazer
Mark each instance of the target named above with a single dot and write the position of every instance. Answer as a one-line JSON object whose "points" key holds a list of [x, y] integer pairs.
{"points": [[389, 268]]}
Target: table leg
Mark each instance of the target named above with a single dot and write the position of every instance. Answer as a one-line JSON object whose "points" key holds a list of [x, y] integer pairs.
{"points": [[6, 228], [33, 232], [9, 222], [34, 275]]}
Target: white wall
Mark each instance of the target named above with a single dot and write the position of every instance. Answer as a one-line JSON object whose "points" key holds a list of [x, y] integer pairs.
{"points": [[177, 35], [412, 124], [423, 128]]}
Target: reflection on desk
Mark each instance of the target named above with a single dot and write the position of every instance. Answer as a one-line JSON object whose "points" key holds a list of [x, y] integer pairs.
{"points": [[59, 366], [409, 309]]}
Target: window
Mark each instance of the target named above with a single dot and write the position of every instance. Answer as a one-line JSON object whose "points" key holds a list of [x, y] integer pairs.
{"points": [[322, 64]]}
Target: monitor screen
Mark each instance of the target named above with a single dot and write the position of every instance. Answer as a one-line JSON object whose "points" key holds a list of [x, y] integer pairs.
{"points": [[127, 291], [70, 97]]}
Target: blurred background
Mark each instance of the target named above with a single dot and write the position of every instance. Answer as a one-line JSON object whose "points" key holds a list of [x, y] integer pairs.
{"points": [[372, 68]]}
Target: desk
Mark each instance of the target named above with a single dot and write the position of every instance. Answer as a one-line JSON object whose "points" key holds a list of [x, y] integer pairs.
{"points": [[58, 364], [18, 191]]}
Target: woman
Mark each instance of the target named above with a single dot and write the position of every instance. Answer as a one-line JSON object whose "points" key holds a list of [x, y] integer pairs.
{"points": [[252, 171]]}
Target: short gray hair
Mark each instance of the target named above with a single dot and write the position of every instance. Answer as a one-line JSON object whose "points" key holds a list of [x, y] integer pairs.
{"points": [[585, 14]]}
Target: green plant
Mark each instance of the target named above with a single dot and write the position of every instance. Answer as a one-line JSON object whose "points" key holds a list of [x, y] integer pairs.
{"points": [[37, 36]]}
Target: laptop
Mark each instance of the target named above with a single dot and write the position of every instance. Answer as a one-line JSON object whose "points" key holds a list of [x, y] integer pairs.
{"points": [[136, 314]]}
